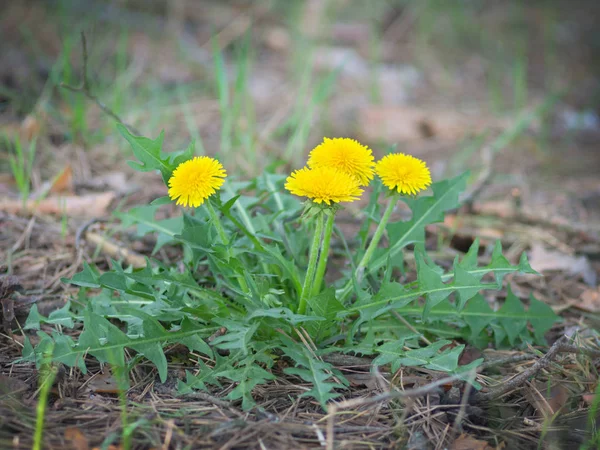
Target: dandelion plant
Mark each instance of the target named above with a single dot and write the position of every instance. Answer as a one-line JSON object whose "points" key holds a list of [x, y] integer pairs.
{"points": [[249, 287]]}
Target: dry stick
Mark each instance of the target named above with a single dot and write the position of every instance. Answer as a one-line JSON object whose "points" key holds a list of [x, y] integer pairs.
{"points": [[570, 348], [86, 90], [410, 327], [507, 360], [463, 405], [214, 400], [517, 381], [487, 155], [352, 403], [558, 347]]}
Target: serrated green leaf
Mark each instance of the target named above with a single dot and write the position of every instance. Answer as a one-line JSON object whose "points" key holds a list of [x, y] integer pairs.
{"points": [[148, 152], [430, 282], [391, 352], [478, 315], [447, 361], [273, 254], [198, 237], [407, 295], [469, 283], [422, 356], [113, 280], [469, 261], [517, 320], [164, 200], [499, 334], [106, 342], [284, 314], [499, 266], [541, 317], [247, 375], [101, 339], [34, 318], [425, 210], [314, 371], [60, 316], [86, 278], [63, 345], [326, 306], [238, 335], [143, 217]]}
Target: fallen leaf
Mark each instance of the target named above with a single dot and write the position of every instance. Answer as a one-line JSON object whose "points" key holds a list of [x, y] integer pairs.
{"points": [[277, 38], [411, 124], [10, 386], [466, 442], [30, 127], [104, 383], [559, 399], [116, 251], [469, 355], [542, 260], [76, 438], [345, 59], [60, 184], [63, 182], [589, 399], [589, 301], [92, 205]]}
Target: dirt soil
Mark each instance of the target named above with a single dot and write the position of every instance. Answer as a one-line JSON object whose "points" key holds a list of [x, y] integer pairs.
{"points": [[445, 86]]}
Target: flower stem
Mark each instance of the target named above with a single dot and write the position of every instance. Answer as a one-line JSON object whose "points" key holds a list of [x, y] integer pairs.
{"points": [[360, 269], [312, 264], [323, 254], [221, 232], [217, 223]]}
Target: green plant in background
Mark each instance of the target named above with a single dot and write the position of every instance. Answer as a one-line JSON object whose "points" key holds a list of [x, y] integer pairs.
{"points": [[21, 164], [254, 262], [48, 373]]}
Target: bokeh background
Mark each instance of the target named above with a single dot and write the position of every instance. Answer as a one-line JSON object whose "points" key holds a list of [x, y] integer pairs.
{"points": [[509, 87]]}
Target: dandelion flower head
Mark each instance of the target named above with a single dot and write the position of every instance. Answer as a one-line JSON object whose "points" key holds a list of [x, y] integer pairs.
{"points": [[405, 173], [346, 155], [194, 180], [324, 185]]}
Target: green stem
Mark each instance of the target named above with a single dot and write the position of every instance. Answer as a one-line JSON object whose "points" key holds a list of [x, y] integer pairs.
{"points": [[312, 264], [47, 376], [217, 223], [221, 231], [323, 254], [360, 269]]}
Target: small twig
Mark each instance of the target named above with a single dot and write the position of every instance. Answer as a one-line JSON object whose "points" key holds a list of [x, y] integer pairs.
{"points": [[83, 228], [517, 381], [590, 230], [507, 360], [410, 327], [85, 88], [560, 346], [570, 348], [487, 154], [214, 400], [463, 405], [115, 250], [332, 409]]}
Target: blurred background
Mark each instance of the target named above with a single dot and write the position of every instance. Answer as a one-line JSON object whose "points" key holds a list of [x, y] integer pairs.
{"points": [[508, 89]]}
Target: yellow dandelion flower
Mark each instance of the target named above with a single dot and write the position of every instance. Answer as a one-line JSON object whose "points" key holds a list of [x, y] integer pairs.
{"points": [[194, 180], [324, 184], [407, 174], [346, 155]]}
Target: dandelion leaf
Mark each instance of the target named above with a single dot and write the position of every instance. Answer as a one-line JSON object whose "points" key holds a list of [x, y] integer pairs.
{"points": [[425, 210]]}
